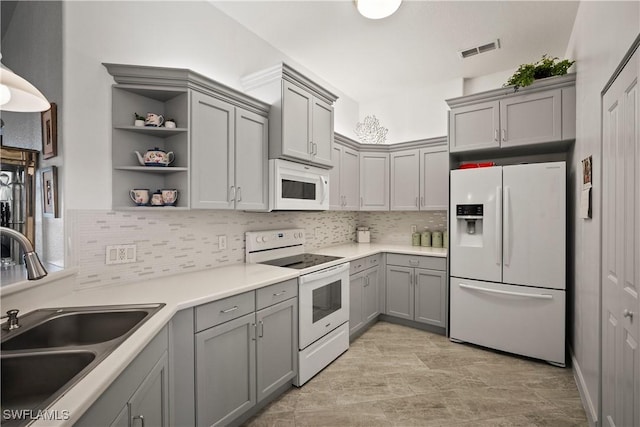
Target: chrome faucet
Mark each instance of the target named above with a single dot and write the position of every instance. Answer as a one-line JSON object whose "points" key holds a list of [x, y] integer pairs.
{"points": [[12, 320], [35, 269]]}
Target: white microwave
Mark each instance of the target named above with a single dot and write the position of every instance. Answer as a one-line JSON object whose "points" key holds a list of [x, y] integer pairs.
{"points": [[295, 186]]}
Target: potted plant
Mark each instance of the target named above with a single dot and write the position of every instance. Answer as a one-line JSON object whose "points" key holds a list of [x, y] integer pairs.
{"points": [[545, 67], [139, 120]]}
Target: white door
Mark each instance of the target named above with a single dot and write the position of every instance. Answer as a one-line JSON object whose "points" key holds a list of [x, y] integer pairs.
{"points": [[534, 224], [621, 249], [476, 253]]}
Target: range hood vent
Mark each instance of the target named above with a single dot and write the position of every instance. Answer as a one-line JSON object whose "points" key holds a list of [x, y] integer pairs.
{"points": [[486, 47]]}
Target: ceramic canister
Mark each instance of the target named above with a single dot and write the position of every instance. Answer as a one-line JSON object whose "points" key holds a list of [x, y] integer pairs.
{"points": [[436, 239], [415, 239], [425, 238]]}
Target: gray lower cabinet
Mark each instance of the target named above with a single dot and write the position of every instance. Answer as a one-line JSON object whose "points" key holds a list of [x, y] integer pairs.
{"points": [[241, 361], [140, 395], [225, 371], [364, 298], [415, 293]]}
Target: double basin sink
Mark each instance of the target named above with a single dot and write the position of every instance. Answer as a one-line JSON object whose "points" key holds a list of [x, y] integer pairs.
{"points": [[54, 348]]}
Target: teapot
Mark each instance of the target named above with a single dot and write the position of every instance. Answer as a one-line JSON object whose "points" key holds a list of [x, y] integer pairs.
{"points": [[155, 157]]}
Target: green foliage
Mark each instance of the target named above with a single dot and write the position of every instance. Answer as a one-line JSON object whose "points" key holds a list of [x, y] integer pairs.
{"points": [[545, 67], [138, 116]]}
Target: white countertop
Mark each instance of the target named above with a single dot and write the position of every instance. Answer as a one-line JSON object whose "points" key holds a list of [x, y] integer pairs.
{"points": [[179, 292]]}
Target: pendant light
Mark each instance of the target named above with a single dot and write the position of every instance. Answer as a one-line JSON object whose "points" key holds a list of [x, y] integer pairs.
{"points": [[377, 9], [17, 94]]}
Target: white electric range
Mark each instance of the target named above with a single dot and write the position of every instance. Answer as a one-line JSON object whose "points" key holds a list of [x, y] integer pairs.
{"points": [[323, 296]]}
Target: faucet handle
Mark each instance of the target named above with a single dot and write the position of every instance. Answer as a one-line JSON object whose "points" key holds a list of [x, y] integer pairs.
{"points": [[12, 323]]}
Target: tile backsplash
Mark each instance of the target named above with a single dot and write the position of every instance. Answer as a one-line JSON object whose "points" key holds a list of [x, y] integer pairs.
{"points": [[173, 242]]}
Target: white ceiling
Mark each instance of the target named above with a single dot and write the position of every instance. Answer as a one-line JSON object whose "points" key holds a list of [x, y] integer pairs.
{"points": [[417, 46]]}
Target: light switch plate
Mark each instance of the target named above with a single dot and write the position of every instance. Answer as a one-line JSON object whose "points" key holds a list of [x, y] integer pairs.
{"points": [[120, 254], [222, 242]]}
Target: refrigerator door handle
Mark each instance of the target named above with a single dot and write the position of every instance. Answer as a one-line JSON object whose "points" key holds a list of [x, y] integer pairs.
{"points": [[498, 224], [498, 291], [506, 246]]}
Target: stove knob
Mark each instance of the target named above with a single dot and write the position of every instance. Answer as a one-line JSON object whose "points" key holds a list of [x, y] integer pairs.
{"points": [[258, 239], [265, 239]]}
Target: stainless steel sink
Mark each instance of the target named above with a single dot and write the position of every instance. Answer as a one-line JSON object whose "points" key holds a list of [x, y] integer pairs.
{"points": [[54, 348], [76, 328]]}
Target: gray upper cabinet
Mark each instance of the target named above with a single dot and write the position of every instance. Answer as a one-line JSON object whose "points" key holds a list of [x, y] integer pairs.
{"points": [[344, 192], [301, 116], [405, 175], [420, 179], [540, 113], [434, 178], [219, 145], [374, 181], [213, 134], [229, 153]]}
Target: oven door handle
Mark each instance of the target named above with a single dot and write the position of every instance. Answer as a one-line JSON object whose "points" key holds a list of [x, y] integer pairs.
{"points": [[319, 275]]}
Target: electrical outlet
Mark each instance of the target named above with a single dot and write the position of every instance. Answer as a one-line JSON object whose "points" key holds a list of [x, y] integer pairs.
{"points": [[222, 242], [414, 228], [120, 254], [316, 231]]}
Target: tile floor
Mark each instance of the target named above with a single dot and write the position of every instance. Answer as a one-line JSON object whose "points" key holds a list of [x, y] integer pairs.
{"points": [[398, 376]]}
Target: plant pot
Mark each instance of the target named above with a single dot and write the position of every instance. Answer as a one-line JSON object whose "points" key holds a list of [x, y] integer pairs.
{"points": [[138, 123]]}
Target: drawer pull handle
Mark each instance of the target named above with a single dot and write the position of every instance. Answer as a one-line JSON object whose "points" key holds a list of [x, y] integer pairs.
{"points": [[498, 291], [414, 262], [229, 310], [277, 294]]}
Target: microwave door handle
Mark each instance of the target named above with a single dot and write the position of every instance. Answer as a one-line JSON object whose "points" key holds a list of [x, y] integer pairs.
{"points": [[325, 187]]}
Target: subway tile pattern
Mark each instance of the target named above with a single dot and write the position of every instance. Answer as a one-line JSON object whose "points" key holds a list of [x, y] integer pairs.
{"points": [[395, 227], [170, 242], [173, 242]]}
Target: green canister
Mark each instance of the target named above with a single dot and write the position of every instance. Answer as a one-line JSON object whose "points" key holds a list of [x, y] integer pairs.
{"points": [[415, 239], [436, 239], [425, 238]]}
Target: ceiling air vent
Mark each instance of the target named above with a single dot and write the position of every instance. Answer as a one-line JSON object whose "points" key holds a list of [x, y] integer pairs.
{"points": [[480, 49]]}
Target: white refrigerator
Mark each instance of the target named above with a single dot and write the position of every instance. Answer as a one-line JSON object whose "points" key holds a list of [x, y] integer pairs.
{"points": [[508, 259]]}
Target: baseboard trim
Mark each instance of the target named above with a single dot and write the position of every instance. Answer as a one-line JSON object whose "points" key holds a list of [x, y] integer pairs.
{"points": [[585, 397]]}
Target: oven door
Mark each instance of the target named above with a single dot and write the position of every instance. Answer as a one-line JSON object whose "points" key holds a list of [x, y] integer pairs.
{"points": [[294, 186], [323, 298]]}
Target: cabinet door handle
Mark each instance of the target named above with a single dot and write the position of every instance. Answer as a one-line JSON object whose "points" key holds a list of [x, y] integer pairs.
{"points": [[361, 202], [366, 282], [232, 193], [495, 135], [253, 330], [421, 200], [315, 149], [417, 202], [239, 194], [414, 262], [504, 135], [138, 417], [260, 329], [229, 310]]}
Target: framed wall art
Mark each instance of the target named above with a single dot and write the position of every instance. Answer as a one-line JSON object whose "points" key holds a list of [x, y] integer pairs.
{"points": [[50, 192], [50, 132]]}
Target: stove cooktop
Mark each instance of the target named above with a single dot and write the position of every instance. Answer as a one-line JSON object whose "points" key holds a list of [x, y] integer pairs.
{"points": [[302, 261]]}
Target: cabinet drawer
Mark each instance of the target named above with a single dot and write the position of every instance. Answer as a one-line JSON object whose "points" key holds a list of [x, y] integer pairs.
{"points": [[361, 264], [432, 263], [274, 294], [221, 311]]}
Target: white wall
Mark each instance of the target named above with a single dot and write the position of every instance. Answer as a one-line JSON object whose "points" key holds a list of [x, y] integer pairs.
{"points": [[602, 34], [192, 35], [417, 114]]}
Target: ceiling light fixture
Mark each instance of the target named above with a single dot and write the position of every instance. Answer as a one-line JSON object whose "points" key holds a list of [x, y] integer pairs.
{"points": [[17, 94], [377, 9]]}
